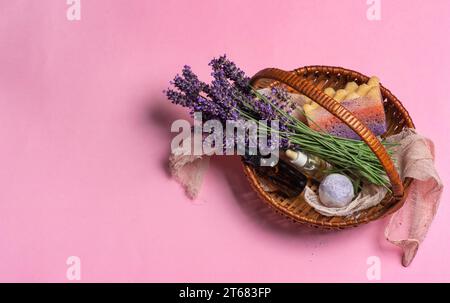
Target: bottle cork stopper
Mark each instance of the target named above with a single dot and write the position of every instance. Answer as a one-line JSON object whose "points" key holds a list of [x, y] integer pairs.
{"points": [[292, 155], [296, 158]]}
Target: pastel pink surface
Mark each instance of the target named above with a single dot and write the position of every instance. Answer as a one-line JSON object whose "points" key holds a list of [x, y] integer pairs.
{"points": [[85, 133]]}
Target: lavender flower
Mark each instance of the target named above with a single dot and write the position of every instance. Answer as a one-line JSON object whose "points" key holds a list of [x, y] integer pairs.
{"points": [[230, 97], [232, 72], [227, 96]]}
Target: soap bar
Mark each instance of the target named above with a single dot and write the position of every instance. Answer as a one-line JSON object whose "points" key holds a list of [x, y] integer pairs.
{"points": [[336, 190], [364, 101], [369, 111]]}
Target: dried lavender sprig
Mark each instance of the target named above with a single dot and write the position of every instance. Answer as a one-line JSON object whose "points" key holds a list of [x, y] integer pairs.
{"points": [[230, 96]]}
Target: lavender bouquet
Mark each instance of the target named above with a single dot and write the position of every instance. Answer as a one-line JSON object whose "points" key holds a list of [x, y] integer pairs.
{"points": [[230, 96]]}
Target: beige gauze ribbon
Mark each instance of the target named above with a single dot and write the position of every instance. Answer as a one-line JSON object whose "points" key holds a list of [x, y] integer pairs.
{"points": [[408, 226]]}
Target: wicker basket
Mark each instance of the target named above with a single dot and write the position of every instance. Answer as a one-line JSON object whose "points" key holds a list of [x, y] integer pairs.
{"points": [[310, 81]]}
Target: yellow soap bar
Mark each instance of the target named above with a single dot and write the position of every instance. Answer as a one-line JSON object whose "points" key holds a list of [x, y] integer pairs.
{"points": [[329, 91], [314, 105], [351, 87], [363, 89], [352, 96], [374, 93], [307, 99], [373, 81], [340, 95]]}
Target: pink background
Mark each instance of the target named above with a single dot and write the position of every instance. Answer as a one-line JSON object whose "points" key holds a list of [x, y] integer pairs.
{"points": [[84, 132]]}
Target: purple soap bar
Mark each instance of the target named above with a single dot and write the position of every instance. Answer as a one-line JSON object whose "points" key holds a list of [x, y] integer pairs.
{"points": [[368, 110]]}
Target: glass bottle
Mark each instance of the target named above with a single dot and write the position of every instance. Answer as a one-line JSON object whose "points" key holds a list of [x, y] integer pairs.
{"points": [[310, 165], [289, 180]]}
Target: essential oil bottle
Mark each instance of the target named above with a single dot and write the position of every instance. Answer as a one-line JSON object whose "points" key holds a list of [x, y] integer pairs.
{"points": [[310, 165]]}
